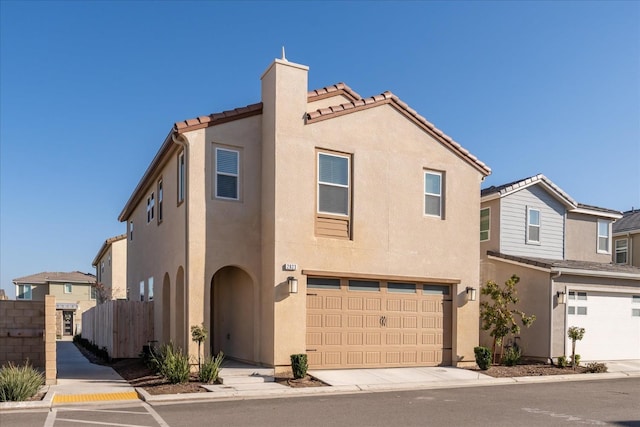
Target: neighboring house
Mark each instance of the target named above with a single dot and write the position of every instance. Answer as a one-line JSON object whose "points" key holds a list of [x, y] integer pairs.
{"points": [[111, 269], [561, 250], [3, 295], [75, 293], [626, 239], [312, 222]]}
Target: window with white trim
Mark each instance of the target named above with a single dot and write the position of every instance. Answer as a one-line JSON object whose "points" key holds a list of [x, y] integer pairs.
{"points": [[575, 306], [485, 224], [68, 288], [433, 193], [160, 200], [142, 290], [131, 230], [603, 236], [93, 292], [181, 177], [622, 251], [227, 183], [333, 184], [151, 207], [150, 289], [102, 267], [533, 225], [24, 292]]}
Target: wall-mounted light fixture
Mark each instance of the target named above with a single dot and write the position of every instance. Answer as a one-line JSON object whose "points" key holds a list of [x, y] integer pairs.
{"points": [[471, 293], [562, 297], [293, 284]]}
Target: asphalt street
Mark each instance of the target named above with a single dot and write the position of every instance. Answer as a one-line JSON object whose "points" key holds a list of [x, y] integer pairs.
{"points": [[601, 402]]}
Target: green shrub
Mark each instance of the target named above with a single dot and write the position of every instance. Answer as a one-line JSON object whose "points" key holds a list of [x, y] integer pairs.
{"points": [[19, 383], [171, 363], [210, 368], [596, 368], [483, 357], [511, 356], [562, 362], [577, 360], [299, 365]]}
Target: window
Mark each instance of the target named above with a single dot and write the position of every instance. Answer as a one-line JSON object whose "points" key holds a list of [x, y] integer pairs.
{"points": [[622, 250], [333, 184], [635, 312], [582, 296], [533, 225], [109, 258], [68, 288], [150, 289], [227, 174], [322, 283], [485, 222], [142, 290], [603, 236], [160, 199], [151, 206], [364, 285], [405, 288], [433, 193], [102, 267], [131, 230], [94, 292], [635, 299], [435, 290], [24, 292], [181, 177]]}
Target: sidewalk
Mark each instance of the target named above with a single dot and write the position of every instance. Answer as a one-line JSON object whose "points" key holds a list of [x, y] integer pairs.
{"points": [[80, 381]]}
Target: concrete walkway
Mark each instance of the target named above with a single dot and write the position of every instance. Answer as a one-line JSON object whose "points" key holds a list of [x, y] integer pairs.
{"points": [[80, 381]]}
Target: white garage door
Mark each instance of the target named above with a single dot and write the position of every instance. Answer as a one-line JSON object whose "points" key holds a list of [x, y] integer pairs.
{"points": [[611, 322], [366, 323]]}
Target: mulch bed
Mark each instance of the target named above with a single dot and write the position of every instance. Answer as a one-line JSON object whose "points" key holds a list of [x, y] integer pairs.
{"points": [[530, 370]]}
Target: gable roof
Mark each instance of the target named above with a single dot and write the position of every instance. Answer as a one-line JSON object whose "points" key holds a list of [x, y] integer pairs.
{"points": [[333, 90], [105, 247], [495, 192], [581, 268], [47, 277], [630, 221]]}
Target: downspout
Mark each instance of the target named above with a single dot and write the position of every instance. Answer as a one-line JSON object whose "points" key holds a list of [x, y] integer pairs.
{"points": [[182, 141], [553, 277]]}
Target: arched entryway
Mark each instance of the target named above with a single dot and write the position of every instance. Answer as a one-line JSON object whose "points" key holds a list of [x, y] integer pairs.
{"points": [[166, 308], [180, 311], [232, 314]]}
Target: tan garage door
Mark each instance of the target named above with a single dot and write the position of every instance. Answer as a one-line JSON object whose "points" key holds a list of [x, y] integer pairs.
{"points": [[361, 323]]}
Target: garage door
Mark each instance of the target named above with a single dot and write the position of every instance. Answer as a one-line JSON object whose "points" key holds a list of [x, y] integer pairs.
{"points": [[611, 322], [366, 323]]}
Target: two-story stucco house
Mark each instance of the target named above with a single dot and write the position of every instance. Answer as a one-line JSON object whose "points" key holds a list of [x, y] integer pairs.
{"points": [[561, 250], [315, 222], [626, 239], [75, 293], [111, 268]]}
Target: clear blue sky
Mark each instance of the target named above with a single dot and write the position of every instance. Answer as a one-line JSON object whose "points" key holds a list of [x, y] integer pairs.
{"points": [[89, 90]]}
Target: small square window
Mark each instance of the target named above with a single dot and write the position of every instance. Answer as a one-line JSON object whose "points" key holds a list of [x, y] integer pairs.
{"points": [[572, 310], [24, 292], [635, 299], [582, 311], [582, 296], [635, 312]]}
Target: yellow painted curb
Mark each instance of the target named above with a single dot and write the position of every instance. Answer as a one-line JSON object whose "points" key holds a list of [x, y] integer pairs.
{"points": [[97, 397]]}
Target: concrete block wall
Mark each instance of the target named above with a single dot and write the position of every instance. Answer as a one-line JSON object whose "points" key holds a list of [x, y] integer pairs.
{"points": [[28, 332]]}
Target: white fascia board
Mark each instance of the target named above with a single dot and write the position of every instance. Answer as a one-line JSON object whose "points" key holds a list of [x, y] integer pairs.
{"points": [[611, 274], [596, 213]]}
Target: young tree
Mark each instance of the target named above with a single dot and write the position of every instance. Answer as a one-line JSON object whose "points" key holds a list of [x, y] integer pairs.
{"points": [[498, 315], [575, 334], [198, 334]]}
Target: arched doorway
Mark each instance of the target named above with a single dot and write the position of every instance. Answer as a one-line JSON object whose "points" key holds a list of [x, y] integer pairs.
{"points": [[232, 314], [166, 308], [180, 311]]}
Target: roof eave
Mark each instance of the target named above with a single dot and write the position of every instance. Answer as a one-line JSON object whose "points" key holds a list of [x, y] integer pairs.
{"points": [[599, 273]]}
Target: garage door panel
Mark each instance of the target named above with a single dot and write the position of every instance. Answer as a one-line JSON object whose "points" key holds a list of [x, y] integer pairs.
{"points": [[376, 329]]}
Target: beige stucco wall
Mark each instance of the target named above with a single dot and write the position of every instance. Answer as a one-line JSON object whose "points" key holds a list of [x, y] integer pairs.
{"points": [[493, 244], [581, 238], [536, 297], [114, 276]]}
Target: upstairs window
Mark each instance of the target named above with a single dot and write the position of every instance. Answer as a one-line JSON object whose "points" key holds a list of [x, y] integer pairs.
{"points": [[102, 267], [333, 184], [68, 288], [485, 223], [622, 251], [433, 193], [151, 206], [24, 292], [131, 230], [94, 292], [603, 236], [227, 174], [533, 225], [160, 200], [181, 177]]}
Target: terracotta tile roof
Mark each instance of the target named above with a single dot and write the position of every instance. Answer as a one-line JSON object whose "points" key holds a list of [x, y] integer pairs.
{"points": [[105, 246], [390, 98], [598, 268], [333, 90], [46, 277], [218, 118], [630, 221]]}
